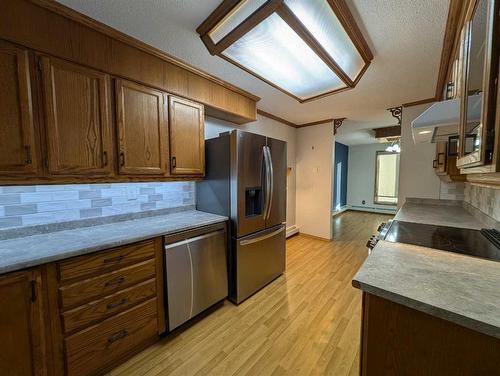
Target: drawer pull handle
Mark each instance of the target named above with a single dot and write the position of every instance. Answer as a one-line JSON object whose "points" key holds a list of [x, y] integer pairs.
{"points": [[116, 281], [117, 336], [113, 259], [117, 304]]}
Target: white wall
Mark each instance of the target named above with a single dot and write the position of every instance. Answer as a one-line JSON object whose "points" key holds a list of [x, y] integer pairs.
{"points": [[417, 177], [270, 128], [361, 177], [315, 153]]}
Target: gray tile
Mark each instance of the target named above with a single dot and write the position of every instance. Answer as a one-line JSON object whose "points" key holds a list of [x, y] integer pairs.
{"points": [[11, 222], [10, 199], [153, 198], [147, 191], [88, 213], [148, 206], [100, 186], [89, 194], [20, 209], [36, 197], [61, 187], [101, 202], [19, 189], [51, 217]]}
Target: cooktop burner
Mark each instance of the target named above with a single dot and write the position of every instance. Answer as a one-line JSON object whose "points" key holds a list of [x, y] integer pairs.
{"points": [[451, 239]]}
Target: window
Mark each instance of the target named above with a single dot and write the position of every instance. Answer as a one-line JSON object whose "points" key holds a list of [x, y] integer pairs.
{"points": [[386, 178], [305, 48]]}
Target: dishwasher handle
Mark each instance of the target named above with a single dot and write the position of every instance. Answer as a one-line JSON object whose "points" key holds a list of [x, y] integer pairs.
{"points": [[195, 239]]}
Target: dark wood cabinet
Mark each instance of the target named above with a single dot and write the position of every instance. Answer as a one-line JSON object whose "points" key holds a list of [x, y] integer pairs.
{"points": [[21, 345], [77, 119], [142, 129], [398, 340], [187, 137], [63, 122], [104, 307], [18, 147]]}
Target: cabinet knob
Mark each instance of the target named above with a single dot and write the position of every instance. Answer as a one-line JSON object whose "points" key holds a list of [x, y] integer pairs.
{"points": [[122, 159], [105, 158], [174, 162]]}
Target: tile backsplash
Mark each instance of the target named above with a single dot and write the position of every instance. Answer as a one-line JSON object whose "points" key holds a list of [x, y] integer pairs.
{"points": [[485, 199], [452, 191], [44, 204]]}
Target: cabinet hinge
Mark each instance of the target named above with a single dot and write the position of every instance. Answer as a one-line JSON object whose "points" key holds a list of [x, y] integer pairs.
{"points": [[33, 291]]}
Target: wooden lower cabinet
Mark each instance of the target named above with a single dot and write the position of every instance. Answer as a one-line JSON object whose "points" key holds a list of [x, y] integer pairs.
{"points": [[109, 306], [103, 344], [397, 340], [21, 324]]}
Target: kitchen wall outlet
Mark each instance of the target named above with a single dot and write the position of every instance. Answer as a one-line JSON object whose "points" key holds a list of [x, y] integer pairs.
{"points": [[132, 193]]}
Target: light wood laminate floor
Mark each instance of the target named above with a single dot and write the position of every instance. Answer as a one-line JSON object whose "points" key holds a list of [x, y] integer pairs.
{"points": [[306, 322]]}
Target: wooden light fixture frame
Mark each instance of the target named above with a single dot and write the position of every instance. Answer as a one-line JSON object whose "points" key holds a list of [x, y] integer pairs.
{"points": [[339, 8]]}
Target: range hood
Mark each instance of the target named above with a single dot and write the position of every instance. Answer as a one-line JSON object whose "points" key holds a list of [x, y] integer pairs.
{"points": [[441, 120]]}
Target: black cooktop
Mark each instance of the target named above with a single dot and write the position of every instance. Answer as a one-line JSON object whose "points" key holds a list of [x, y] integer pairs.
{"points": [[451, 239]]}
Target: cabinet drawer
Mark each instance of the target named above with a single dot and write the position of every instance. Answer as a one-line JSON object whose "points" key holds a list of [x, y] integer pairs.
{"points": [[105, 284], [99, 346], [100, 262], [87, 314]]}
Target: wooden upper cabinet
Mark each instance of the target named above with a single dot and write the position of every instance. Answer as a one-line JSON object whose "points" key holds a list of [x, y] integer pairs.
{"points": [[21, 325], [142, 129], [18, 149], [187, 138], [440, 161], [78, 123]]}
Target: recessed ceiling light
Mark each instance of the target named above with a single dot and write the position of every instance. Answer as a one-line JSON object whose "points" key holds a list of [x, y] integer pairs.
{"points": [[424, 132], [305, 48]]}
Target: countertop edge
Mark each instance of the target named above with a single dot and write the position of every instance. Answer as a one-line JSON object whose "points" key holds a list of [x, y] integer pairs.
{"points": [[74, 252], [476, 325]]}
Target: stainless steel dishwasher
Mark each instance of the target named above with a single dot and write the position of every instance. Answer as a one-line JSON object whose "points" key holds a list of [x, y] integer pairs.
{"points": [[195, 271]]}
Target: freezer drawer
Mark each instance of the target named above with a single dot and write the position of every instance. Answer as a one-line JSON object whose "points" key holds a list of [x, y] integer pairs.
{"points": [[256, 260], [196, 273]]}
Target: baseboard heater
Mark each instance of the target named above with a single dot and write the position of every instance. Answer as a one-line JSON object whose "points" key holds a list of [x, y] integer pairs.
{"points": [[373, 210], [292, 230]]}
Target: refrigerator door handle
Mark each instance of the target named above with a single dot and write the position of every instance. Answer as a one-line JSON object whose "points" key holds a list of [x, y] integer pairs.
{"points": [[271, 181], [261, 238], [267, 182]]}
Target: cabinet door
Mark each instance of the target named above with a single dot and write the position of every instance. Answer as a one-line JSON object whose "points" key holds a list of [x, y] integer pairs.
{"points": [[17, 137], [187, 137], [78, 124], [20, 325], [142, 129]]}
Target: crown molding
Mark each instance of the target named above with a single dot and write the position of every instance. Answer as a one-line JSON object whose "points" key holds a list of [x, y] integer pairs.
{"points": [[291, 124]]}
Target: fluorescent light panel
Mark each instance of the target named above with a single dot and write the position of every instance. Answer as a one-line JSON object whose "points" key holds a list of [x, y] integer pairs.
{"points": [[319, 19], [275, 52], [235, 17]]}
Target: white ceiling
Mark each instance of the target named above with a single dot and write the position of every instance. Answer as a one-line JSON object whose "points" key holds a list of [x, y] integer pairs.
{"points": [[405, 36]]}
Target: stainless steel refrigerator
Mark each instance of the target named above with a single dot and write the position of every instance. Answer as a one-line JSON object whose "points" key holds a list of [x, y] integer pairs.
{"points": [[246, 181]]}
